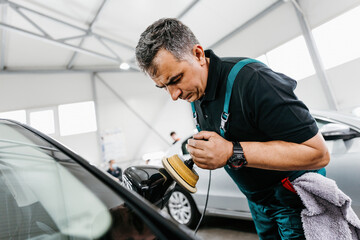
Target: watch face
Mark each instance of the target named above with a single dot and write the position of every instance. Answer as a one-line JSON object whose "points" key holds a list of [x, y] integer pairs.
{"points": [[236, 162]]}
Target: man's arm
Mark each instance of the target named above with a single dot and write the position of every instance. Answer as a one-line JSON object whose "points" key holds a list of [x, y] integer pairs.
{"points": [[272, 155]]}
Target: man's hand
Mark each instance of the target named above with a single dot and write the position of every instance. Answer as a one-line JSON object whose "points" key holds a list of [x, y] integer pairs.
{"points": [[209, 150]]}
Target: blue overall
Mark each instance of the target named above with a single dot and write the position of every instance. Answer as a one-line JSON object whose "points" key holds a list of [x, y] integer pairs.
{"points": [[276, 210]]}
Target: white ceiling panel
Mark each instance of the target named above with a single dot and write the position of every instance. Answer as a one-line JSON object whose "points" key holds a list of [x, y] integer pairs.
{"points": [[277, 27], [124, 52], [83, 60], [77, 12], [23, 52], [320, 11], [118, 24], [92, 42], [126, 20], [211, 20]]}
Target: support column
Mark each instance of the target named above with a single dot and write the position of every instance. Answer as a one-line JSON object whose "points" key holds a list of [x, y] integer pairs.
{"points": [[315, 56], [96, 104]]}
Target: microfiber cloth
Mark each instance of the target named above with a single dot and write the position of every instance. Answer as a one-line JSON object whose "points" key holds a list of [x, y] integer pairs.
{"points": [[327, 213]]}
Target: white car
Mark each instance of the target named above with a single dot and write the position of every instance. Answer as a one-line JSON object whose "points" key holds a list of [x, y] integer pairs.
{"points": [[342, 135]]}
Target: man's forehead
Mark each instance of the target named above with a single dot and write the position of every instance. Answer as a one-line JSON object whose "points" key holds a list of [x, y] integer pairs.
{"points": [[161, 72]]}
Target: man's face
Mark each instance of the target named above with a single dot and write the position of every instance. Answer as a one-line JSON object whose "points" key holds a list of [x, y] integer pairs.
{"points": [[184, 79]]}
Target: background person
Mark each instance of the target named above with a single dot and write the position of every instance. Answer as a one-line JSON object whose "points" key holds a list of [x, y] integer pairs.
{"points": [[115, 170], [270, 135], [174, 137]]}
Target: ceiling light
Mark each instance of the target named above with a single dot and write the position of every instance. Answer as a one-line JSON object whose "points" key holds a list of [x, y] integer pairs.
{"points": [[124, 66]]}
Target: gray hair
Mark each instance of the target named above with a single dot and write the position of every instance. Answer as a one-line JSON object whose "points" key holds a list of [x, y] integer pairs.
{"points": [[166, 33]]}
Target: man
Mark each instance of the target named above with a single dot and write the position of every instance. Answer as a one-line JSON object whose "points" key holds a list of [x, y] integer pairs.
{"points": [[174, 136], [270, 135], [115, 170]]}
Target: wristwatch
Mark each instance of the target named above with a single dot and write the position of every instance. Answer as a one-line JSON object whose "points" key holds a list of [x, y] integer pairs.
{"points": [[237, 160]]}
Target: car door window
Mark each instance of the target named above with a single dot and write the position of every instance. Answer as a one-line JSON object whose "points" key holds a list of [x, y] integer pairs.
{"points": [[45, 194]]}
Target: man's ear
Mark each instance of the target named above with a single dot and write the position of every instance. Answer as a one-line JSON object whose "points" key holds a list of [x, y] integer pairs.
{"points": [[199, 54]]}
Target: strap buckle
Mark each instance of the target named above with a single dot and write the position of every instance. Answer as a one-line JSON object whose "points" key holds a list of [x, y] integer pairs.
{"points": [[224, 119], [196, 121]]}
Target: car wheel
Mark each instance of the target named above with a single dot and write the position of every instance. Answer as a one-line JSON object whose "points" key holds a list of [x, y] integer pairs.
{"points": [[182, 208]]}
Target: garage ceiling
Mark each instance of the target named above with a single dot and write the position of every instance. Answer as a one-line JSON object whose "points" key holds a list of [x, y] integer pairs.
{"points": [[99, 35]]}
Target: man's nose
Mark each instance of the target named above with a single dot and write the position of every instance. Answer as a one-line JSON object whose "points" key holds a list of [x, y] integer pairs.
{"points": [[174, 92]]}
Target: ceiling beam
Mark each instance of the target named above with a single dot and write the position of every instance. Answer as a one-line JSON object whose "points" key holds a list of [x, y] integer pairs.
{"points": [[183, 13], [84, 30], [16, 9], [89, 30], [62, 71], [71, 25], [97, 14], [3, 33], [186, 10], [247, 23], [60, 43]]}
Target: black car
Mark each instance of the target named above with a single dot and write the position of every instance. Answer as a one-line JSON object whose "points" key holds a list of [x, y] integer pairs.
{"points": [[49, 192]]}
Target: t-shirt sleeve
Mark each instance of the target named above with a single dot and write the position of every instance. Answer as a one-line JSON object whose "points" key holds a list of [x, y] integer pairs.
{"points": [[276, 110]]}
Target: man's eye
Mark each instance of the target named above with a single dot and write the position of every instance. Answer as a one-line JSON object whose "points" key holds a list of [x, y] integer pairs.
{"points": [[176, 80]]}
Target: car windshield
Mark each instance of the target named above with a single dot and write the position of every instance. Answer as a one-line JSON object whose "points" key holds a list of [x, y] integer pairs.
{"points": [[45, 194]]}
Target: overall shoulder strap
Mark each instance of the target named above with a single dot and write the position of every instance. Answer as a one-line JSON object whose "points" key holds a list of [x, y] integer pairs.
{"points": [[195, 116], [229, 85]]}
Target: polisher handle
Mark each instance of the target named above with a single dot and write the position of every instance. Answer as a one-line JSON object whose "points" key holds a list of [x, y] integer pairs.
{"points": [[189, 163]]}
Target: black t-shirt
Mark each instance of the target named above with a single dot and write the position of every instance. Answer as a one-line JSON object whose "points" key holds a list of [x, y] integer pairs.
{"points": [[263, 107]]}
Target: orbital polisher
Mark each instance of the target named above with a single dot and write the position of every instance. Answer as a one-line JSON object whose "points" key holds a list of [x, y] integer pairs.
{"points": [[182, 172]]}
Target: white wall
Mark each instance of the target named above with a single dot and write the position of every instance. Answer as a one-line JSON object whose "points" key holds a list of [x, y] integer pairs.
{"points": [[20, 91], [153, 105], [48, 90]]}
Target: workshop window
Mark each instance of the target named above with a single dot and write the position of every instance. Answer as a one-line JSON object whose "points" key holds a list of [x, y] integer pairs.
{"points": [[19, 115], [263, 59], [338, 40], [292, 59], [77, 118], [43, 121]]}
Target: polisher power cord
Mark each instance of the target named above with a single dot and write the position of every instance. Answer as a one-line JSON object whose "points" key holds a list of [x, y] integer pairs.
{"points": [[206, 202]]}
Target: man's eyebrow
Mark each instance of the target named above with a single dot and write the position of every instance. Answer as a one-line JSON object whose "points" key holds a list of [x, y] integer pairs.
{"points": [[159, 86]]}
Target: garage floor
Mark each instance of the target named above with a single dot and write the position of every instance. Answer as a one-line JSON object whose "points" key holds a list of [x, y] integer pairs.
{"points": [[214, 228]]}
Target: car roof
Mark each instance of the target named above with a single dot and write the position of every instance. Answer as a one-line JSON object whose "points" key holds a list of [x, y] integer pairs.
{"points": [[336, 116]]}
